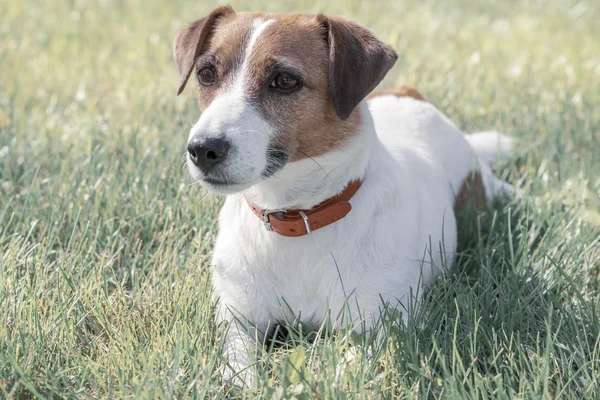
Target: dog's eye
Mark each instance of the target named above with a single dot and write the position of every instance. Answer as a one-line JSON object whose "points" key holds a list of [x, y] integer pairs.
{"points": [[284, 82], [207, 76]]}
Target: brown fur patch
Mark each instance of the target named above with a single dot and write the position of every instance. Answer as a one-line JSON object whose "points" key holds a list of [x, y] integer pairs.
{"points": [[399, 91], [306, 120], [471, 192]]}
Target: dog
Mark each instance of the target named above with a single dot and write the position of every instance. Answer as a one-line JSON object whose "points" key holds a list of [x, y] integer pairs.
{"points": [[337, 207]]}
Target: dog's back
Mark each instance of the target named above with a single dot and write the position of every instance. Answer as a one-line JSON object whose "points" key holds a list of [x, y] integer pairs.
{"points": [[406, 123]]}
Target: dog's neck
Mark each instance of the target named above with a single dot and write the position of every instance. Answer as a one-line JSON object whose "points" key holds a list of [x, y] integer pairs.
{"points": [[304, 184]]}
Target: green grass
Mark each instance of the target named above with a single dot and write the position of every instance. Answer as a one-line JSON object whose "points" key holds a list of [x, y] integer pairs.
{"points": [[104, 244]]}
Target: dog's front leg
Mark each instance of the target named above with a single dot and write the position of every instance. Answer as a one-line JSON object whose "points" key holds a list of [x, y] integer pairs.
{"points": [[240, 346]]}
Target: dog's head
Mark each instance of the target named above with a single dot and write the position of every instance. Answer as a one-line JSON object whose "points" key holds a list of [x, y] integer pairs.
{"points": [[273, 89]]}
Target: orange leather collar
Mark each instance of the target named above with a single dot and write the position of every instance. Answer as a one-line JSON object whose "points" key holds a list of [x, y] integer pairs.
{"points": [[295, 223]]}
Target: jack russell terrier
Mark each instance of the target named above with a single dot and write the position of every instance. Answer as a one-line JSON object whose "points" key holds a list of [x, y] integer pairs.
{"points": [[336, 207]]}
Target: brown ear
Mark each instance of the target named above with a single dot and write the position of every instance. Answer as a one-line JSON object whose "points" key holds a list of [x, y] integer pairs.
{"points": [[358, 61], [190, 40]]}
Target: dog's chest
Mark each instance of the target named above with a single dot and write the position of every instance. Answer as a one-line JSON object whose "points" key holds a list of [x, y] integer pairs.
{"points": [[296, 278]]}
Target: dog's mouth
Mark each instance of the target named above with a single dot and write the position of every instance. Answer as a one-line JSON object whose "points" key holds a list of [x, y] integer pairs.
{"points": [[218, 181], [223, 186]]}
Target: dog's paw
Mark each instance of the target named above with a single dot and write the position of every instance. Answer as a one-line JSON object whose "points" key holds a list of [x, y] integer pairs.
{"points": [[238, 376]]}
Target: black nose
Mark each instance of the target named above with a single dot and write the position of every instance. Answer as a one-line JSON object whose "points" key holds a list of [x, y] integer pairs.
{"points": [[206, 153]]}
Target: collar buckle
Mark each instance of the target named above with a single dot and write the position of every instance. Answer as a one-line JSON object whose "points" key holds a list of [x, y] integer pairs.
{"points": [[265, 218]]}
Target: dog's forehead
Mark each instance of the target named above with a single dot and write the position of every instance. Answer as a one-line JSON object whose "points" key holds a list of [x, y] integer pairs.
{"points": [[295, 37]]}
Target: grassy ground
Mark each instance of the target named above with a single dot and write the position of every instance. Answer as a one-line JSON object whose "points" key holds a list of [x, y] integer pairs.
{"points": [[104, 245]]}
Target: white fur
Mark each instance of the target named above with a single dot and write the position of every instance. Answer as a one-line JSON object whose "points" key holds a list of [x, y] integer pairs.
{"points": [[399, 235]]}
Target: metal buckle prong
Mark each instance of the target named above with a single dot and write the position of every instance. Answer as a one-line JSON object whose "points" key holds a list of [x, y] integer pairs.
{"points": [[306, 223]]}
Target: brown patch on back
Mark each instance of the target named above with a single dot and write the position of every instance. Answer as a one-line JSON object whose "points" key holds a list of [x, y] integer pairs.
{"points": [[399, 91], [471, 192]]}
